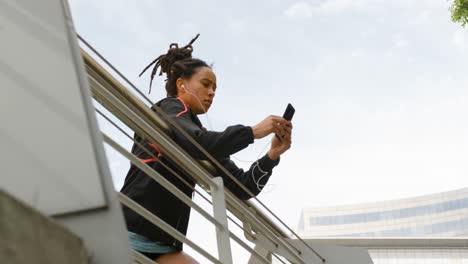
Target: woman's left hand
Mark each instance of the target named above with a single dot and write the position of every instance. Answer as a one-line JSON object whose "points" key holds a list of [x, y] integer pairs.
{"points": [[281, 143]]}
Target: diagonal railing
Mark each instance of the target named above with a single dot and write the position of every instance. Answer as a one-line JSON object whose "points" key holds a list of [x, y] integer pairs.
{"points": [[138, 116]]}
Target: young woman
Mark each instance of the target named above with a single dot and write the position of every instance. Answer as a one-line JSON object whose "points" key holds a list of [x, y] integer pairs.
{"points": [[191, 87]]}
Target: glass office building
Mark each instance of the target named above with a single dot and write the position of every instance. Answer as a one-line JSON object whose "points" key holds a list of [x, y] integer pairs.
{"points": [[442, 215]]}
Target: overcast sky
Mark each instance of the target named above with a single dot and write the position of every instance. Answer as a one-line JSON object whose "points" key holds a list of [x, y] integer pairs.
{"points": [[380, 87]]}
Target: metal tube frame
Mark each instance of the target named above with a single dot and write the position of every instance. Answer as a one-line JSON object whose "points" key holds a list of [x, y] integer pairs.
{"points": [[223, 243], [219, 210], [164, 226], [181, 158], [119, 89]]}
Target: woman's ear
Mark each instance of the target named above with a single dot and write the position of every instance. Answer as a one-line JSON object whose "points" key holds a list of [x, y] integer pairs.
{"points": [[180, 86]]}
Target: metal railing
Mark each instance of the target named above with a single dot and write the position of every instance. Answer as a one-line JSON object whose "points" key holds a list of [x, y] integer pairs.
{"points": [[138, 116]]}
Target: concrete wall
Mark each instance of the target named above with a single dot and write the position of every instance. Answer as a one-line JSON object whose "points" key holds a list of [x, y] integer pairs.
{"points": [[51, 151], [26, 236]]}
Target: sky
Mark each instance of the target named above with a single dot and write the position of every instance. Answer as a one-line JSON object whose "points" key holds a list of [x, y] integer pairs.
{"points": [[380, 88]]}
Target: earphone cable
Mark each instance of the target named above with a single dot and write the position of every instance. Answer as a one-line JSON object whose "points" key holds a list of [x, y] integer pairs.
{"points": [[141, 146], [204, 151]]}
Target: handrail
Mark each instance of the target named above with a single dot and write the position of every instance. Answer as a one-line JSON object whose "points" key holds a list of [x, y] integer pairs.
{"points": [[137, 124], [152, 155], [136, 118], [163, 225], [98, 76], [144, 120], [214, 161]]}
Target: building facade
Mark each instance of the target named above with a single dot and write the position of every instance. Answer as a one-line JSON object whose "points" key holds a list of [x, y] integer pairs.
{"points": [[440, 215]]}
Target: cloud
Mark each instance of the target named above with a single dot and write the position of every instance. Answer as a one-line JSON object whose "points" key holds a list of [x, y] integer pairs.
{"points": [[422, 17], [459, 40], [399, 41], [236, 25], [299, 10], [306, 9], [357, 53]]}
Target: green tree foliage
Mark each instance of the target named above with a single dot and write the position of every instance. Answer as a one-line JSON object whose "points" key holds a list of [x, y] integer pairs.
{"points": [[459, 11]]}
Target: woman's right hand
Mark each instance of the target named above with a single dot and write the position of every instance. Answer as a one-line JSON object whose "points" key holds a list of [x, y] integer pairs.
{"points": [[271, 124]]}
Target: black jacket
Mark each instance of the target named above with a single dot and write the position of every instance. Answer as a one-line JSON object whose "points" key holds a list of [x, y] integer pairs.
{"points": [[151, 195]]}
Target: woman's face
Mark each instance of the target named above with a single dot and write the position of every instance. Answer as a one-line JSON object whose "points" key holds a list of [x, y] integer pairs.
{"points": [[198, 91]]}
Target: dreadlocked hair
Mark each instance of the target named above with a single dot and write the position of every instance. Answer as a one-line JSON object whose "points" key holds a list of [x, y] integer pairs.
{"points": [[176, 63]]}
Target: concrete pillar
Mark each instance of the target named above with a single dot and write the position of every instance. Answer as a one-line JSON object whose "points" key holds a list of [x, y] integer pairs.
{"points": [[26, 236]]}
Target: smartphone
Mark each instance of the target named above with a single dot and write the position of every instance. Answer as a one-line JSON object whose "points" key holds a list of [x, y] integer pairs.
{"points": [[288, 115], [289, 112]]}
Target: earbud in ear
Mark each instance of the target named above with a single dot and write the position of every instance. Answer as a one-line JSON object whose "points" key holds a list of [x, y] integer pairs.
{"points": [[183, 87]]}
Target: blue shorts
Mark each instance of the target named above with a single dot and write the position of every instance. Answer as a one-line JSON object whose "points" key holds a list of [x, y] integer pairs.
{"points": [[149, 248]]}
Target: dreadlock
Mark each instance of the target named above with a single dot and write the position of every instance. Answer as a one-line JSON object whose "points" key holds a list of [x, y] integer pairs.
{"points": [[176, 63]]}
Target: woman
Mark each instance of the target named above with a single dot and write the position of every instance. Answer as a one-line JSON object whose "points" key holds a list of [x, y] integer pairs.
{"points": [[191, 87]]}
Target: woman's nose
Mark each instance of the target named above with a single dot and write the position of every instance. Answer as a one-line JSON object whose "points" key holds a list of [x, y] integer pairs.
{"points": [[211, 92]]}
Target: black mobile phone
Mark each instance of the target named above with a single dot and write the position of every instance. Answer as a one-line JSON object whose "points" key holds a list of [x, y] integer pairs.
{"points": [[289, 112], [288, 115]]}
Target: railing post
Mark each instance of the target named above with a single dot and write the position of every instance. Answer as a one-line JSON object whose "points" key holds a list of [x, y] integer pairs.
{"points": [[219, 211]]}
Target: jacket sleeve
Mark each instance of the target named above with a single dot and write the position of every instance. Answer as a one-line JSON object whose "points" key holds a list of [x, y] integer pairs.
{"points": [[218, 144], [254, 179]]}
